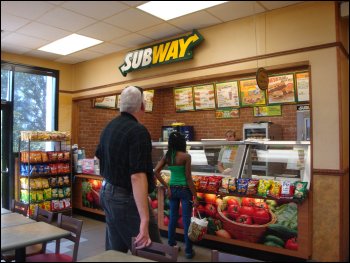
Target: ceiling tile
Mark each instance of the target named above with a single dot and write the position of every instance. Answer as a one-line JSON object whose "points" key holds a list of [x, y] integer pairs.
{"points": [[278, 4], [107, 48], [42, 54], [66, 19], [26, 9], [235, 9], [195, 21], [132, 40], [134, 3], [43, 31], [103, 31], [161, 31], [133, 20], [22, 40], [11, 23], [96, 9], [14, 49], [69, 60], [86, 54]]}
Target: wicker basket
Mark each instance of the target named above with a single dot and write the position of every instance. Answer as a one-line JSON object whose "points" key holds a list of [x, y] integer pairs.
{"points": [[250, 233]]}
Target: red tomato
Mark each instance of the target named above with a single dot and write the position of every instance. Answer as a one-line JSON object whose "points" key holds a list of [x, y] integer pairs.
{"points": [[223, 233], [232, 201], [247, 210], [154, 204], [292, 244], [261, 205], [244, 219], [261, 216], [247, 201], [180, 223], [210, 198], [166, 220], [210, 210], [200, 197], [233, 211]]}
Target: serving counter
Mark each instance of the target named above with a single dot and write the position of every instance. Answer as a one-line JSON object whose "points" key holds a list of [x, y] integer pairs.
{"points": [[246, 207]]}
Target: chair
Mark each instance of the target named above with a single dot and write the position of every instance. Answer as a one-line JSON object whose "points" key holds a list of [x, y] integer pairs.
{"points": [[19, 207], [67, 223], [39, 215], [156, 251], [217, 256]]}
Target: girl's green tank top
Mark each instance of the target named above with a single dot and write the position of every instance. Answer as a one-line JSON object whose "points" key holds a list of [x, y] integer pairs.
{"points": [[178, 174]]}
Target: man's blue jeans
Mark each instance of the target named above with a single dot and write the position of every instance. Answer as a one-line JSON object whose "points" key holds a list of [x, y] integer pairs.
{"points": [[184, 195], [122, 218]]}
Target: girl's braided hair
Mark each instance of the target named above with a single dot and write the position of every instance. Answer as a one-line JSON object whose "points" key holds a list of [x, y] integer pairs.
{"points": [[176, 143]]}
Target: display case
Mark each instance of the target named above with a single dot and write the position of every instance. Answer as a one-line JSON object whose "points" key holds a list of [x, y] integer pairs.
{"points": [[44, 171], [244, 208]]}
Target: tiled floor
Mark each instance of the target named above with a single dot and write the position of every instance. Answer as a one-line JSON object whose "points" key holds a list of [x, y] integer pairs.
{"points": [[93, 242]]}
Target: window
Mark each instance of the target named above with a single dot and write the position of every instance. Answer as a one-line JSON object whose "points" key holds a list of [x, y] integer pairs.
{"points": [[33, 94], [29, 101]]}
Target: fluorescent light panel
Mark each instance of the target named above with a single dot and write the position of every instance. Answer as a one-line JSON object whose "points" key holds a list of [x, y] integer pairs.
{"points": [[70, 44], [167, 10]]}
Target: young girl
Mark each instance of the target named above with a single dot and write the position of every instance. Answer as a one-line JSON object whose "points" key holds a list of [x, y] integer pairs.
{"points": [[180, 188]]}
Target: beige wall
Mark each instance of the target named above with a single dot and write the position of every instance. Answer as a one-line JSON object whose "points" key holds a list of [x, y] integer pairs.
{"points": [[300, 26]]}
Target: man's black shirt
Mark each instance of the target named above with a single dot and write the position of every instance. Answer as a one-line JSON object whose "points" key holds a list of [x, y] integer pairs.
{"points": [[125, 148]]}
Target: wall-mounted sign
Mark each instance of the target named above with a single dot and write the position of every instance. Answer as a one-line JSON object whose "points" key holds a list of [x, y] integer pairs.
{"points": [[250, 93], [105, 102], [268, 111], [303, 86], [227, 113], [227, 94], [163, 53], [281, 89], [183, 99], [204, 97], [148, 96]]}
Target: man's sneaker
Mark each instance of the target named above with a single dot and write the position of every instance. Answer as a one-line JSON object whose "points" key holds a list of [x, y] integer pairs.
{"points": [[190, 255]]}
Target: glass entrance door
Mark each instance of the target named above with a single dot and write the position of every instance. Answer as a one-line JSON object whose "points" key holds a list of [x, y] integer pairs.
{"points": [[6, 145]]}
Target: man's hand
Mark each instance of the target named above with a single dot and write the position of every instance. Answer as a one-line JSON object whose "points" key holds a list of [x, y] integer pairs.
{"points": [[227, 171]]}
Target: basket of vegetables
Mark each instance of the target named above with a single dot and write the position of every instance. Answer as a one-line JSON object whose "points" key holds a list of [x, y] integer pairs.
{"points": [[248, 220]]}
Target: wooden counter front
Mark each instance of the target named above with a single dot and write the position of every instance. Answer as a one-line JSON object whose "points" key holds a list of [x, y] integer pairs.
{"points": [[78, 193]]}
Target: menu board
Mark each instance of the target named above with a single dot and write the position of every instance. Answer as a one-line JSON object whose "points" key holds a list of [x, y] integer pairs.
{"points": [[251, 94], [148, 97], [303, 89], [183, 99], [227, 113], [118, 101], [204, 97], [227, 94], [268, 111], [105, 102], [281, 89]]}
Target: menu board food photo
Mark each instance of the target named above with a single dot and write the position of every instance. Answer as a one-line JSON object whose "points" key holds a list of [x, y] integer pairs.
{"points": [[251, 94], [281, 89], [204, 97]]}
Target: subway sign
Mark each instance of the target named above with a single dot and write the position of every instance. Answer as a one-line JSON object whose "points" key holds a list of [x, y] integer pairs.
{"points": [[163, 53]]}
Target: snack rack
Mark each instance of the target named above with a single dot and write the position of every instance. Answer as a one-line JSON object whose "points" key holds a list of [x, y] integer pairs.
{"points": [[45, 171]]}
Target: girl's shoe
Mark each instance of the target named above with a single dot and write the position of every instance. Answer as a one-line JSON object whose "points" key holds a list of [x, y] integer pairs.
{"points": [[190, 255]]}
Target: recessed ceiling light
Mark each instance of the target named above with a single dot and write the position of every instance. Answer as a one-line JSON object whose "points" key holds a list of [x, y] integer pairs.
{"points": [[70, 44], [167, 10]]}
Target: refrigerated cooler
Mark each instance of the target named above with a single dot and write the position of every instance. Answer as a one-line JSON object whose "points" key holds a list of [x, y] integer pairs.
{"points": [[187, 131]]}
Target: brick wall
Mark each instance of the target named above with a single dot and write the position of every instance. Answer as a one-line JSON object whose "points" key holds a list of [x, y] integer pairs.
{"points": [[93, 120]]}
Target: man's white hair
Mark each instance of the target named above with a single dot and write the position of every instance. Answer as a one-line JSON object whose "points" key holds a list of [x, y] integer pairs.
{"points": [[131, 100]]}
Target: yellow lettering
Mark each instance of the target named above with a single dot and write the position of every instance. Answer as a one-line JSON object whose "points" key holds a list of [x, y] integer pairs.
{"points": [[184, 45], [173, 50], [159, 53]]}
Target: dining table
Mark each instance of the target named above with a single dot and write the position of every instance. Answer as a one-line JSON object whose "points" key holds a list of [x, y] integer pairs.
{"points": [[14, 219], [115, 256], [5, 211], [18, 237]]}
